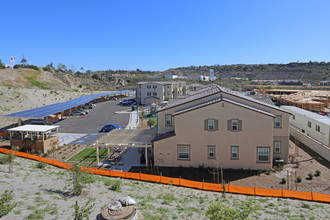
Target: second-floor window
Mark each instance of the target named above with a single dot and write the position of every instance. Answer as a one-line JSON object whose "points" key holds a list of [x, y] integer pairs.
{"points": [[278, 121], [155, 93], [154, 86], [210, 124], [234, 125], [168, 120], [148, 93], [148, 86]]}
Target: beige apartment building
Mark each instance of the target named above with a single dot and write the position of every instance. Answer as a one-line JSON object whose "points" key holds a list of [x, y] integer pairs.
{"points": [[214, 126], [148, 93]]}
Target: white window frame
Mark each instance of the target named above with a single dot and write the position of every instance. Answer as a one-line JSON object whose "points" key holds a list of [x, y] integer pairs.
{"points": [[154, 86], [185, 149], [149, 93], [148, 86], [210, 150], [154, 93], [232, 125], [263, 154], [168, 120], [210, 124], [278, 119], [277, 147], [232, 152]]}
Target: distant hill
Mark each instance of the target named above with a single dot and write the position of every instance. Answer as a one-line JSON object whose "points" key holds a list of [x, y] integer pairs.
{"points": [[311, 71]]}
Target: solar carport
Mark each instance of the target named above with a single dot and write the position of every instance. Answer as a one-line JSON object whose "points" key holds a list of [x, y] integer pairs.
{"points": [[45, 111]]}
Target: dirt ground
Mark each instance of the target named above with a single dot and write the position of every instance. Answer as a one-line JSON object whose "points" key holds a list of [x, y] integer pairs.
{"points": [[46, 193]]}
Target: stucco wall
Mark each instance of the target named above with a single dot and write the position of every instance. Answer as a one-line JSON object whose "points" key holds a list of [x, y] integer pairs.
{"points": [[39, 145], [257, 130]]}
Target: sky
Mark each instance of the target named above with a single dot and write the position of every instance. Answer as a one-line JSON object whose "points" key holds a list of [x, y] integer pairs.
{"points": [[162, 34]]}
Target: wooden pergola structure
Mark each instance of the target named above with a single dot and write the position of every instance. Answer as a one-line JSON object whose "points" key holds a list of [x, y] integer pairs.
{"points": [[126, 138]]}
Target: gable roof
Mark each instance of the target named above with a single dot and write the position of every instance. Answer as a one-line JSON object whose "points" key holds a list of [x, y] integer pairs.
{"points": [[211, 90], [226, 100]]}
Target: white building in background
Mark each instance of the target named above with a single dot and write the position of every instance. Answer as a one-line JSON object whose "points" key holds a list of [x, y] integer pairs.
{"points": [[148, 93], [203, 78], [313, 125]]}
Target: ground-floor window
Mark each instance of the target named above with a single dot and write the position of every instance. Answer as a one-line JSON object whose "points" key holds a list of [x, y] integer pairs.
{"points": [[277, 147], [234, 152], [263, 155], [184, 152], [211, 151]]}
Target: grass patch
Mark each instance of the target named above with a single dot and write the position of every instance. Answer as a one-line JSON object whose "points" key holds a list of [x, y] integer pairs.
{"points": [[89, 155], [34, 82]]}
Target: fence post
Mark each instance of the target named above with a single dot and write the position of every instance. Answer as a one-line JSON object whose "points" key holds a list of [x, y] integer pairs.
{"points": [[203, 184], [140, 175], [179, 180], [255, 191], [160, 178]]}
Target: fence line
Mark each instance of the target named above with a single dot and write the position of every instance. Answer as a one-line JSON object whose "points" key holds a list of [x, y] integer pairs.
{"points": [[310, 196]]}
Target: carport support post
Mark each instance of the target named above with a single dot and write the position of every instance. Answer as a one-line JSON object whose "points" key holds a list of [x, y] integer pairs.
{"points": [[146, 155]]}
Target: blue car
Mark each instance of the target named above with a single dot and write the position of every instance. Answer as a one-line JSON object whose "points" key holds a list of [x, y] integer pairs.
{"points": [[110, 127]]}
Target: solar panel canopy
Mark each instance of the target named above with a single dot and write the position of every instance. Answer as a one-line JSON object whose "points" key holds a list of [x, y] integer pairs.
{"points": [[47, 110]]}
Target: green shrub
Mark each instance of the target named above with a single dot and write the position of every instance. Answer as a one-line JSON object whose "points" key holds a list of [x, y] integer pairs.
{"points": [[283, 181], [299, 179], [310, 176], [317, 173], [116, 186], [46, 68], [41, 165], [32, 67], [5, 203], [36, 215]]}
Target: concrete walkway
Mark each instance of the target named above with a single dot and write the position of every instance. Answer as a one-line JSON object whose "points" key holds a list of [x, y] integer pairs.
{"points": [[133, 119]]}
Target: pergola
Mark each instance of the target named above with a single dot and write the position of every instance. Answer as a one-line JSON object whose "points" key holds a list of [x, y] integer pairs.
{"points": [[127, 138], [33, 130]]}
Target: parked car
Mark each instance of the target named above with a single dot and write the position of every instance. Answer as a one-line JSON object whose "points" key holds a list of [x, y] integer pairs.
{"points": [[39, 123], [126, 102], [84, 110], [77, 113], [89, 105], [110, 127]]}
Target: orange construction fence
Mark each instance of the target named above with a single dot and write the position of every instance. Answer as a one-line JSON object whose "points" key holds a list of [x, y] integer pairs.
{"points": [[310, 196]]}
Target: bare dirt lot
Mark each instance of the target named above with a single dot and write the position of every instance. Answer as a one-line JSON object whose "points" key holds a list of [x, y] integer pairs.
{"points": [[46, 194]]}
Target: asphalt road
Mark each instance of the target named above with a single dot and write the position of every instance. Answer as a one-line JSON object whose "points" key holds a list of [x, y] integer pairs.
{"points": [[102, 114]]}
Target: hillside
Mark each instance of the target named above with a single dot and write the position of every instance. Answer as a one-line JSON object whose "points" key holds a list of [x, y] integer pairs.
{"points": [[312, 71]]}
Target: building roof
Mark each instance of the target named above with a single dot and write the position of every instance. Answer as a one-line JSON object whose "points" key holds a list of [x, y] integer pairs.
{"points": [[226, 100], [263, 98], [47, 110], [34, 128], [161, 82], [211, 90], [312, 115]]}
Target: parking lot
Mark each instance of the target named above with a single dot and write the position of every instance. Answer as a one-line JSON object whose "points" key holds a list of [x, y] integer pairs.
{"points": [[85, 129]]}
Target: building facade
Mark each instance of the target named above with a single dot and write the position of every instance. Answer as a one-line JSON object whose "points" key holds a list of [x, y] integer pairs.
{"points": [[215, 126], [148, 93], [313, 125]]}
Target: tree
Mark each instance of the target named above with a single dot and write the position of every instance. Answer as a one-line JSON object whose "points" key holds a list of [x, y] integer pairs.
{"points": [[2, 66], [73, 69], [79, 179], [61, 67], [83, 212], [82, 69], [151, 122], [23, 61], [5, 203]]}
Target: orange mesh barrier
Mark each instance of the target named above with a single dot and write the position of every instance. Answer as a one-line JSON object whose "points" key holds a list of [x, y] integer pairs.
{"points": [[3, 134], [212, 187], [117, 174], [191, 184], [241, 190], [150, 178], [135, 176], [297, 195], [187, 183], [269, 192], [321, 197], [169, 180]]}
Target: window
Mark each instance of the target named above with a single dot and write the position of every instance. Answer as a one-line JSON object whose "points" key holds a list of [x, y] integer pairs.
{"points": [[293, 117], [155, 93], [277, 147], [234, 153], [168, 93], [317, 128], [309, 124], [234, 125], [183, 152], [263, 155], [148, 86], [278, 121], [148, 93], [211, 151], [168, 86], [210, 124], [154, 86], [168, 120]]}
